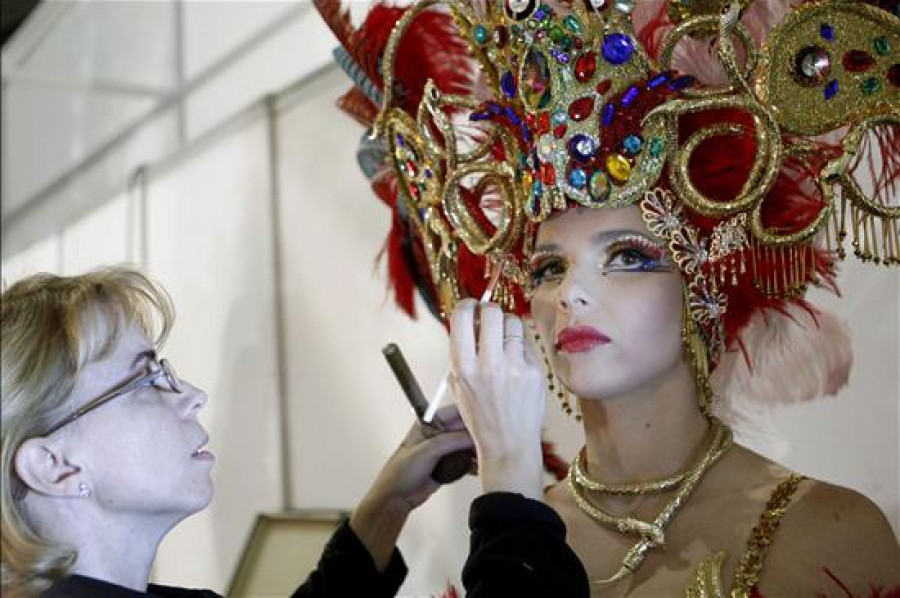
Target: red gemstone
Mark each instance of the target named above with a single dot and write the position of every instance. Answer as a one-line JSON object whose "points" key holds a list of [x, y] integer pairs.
{"points": [[548, 173], [411, 169], [585, 67], [858, 61], [530, 121], [604, 86], [543, 123], [894, 75], [500, 36], [559, 131], [581, 108], [413, 191]]}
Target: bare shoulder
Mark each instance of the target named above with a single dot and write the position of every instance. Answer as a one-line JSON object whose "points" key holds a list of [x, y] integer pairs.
{"points": [[833, 528]]}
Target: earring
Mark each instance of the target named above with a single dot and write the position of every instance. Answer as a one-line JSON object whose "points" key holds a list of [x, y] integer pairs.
{"points": [[566, 399], [697, 352], [84, 490]]}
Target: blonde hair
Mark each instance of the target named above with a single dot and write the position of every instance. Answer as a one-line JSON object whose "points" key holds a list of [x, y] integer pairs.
{"points": [[52, 327]]}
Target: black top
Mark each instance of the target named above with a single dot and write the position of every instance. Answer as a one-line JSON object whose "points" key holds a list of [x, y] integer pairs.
{"points": [[518, 548]]}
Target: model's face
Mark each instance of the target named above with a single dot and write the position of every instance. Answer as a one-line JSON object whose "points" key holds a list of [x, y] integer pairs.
{"points": [[606, 302], [139, 451]]}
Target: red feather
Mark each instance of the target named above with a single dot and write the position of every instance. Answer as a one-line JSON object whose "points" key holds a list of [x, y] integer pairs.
{"points": [[337, 20], [356, 104]]}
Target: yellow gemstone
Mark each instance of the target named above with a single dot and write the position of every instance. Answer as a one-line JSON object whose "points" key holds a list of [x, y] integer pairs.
{"points": [[618, 167], [526, 183]]}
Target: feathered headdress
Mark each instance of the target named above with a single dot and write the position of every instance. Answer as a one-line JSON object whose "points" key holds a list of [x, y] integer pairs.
{"points": [[489, 117]]}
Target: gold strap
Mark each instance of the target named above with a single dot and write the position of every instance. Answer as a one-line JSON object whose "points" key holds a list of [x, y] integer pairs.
{"points": [[747, 575]]}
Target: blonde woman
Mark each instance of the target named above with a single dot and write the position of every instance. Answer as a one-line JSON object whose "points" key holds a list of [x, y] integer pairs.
{"points": [[103, 454]]}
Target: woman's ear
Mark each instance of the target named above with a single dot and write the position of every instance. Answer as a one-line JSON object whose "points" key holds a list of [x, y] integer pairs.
{"points": [[42, 466]]}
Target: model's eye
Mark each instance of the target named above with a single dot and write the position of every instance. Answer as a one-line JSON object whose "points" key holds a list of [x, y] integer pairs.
{"points": [[633, 257], [547, 270]]}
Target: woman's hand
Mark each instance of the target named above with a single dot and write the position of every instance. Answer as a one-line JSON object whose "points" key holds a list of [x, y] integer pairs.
{"points": [[404, 483], [498, 381]]}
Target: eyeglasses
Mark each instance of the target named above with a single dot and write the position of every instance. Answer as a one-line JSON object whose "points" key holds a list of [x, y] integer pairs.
{"points": [[164, 371]]}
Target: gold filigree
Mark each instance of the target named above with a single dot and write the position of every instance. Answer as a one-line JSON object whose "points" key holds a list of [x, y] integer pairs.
{"points": [[812, 107]]}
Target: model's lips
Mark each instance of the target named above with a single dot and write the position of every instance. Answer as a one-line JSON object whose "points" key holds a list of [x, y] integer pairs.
{"points": [[580, 339]]}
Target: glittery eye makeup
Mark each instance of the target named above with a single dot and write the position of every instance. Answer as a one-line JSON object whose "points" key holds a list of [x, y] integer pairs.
{"points": [[545, 266], [619, 251], [634, 253]]}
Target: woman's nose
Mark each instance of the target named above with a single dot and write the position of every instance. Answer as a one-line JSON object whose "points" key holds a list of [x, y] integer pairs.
{"points": [[191, 399], [572, 295]]}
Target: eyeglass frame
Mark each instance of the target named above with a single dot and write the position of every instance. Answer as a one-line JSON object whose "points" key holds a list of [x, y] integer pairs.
{"points": [[165, 369]]}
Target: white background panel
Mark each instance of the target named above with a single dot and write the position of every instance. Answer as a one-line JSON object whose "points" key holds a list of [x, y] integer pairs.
{"points": [[100, 238], [347, 412], [209, 245], [43, 256]]}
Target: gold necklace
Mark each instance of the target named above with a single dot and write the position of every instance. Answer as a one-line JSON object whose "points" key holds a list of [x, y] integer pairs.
{"points": [[632, 488], [651, 534]]}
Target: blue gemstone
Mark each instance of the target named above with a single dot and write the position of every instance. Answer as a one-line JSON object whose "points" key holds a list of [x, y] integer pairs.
{"points": [[526, 133], [609, 111], [481, 115], [493, 108], [658, 80], [508, 84], [578, 178], [560, 56], [681, 82], [617, 48], [400, 140], [481, 34], [582, 147], [537, 189], [831, 89], [633, 144], [540, 14], [630, 96], [826, 31], [511, 115]]}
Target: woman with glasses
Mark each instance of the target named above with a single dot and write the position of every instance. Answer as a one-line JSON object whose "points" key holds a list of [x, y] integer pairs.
{"points": [[102, 454]]}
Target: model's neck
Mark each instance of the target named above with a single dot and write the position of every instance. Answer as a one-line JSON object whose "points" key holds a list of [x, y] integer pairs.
{"points": [[646, 434]]}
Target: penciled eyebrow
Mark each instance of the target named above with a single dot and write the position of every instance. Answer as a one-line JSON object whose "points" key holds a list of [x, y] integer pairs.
{"points": [[148, 355], [601, 238]]}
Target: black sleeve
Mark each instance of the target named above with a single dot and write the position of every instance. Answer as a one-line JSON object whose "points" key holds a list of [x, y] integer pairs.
{"points": [[518, 548], [347, 569]]}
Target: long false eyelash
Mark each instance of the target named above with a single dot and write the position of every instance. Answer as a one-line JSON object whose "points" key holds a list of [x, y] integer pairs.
{"points": [[656, 251], [539, 257]]}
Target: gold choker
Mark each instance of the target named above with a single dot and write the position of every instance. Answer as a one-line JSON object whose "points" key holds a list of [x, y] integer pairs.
{"points": [[652, 533]]}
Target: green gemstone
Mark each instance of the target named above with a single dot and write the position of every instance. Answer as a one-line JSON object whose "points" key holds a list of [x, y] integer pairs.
{"points": [[870, 85], [882, 46], [481, 34], [572, 24], [557, 34], [656, 147]]}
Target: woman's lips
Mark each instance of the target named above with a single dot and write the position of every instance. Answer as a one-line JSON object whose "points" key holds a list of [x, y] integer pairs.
{"points": [[580, 339]]}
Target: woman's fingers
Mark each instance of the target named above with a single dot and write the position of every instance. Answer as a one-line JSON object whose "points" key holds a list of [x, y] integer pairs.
{"points": [[490, 334], [462, 335], [513, 336], [450, 418]]}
